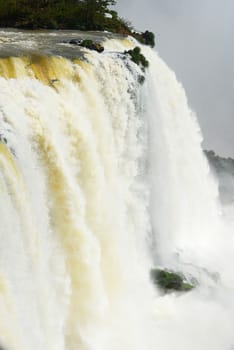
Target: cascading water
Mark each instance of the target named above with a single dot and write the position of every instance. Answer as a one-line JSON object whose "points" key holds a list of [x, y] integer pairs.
{"points": [[95, 169], [190, 230]]}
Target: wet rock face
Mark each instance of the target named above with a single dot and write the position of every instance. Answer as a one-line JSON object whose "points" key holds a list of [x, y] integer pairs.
{"points": [[75, 41]]}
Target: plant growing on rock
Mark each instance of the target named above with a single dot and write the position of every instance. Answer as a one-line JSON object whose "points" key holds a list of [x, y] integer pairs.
{"points": [[88, 43], [138, 58], [169, 281]]}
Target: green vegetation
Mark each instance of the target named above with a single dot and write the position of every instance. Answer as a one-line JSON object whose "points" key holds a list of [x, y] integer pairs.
{"points": [[61, 14], [169, 281], [138, 58], [147, 38], [67, 14]]}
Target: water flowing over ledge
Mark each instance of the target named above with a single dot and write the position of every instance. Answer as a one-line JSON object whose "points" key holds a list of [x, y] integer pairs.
{"points": [[101, 178]]}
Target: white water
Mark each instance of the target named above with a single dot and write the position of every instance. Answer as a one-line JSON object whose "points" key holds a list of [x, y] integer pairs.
{"points": [[95, 170], [190, 230]]}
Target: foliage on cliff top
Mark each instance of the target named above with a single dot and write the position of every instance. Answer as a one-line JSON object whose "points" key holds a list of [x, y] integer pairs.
{"points": [[67, 14], [61, 14]]}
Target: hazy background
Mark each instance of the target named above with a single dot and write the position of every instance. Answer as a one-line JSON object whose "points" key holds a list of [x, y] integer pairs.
{"points": [[195, 38]]}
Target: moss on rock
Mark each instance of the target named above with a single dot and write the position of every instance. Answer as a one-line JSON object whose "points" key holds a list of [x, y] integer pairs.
{"points": [[88, 43], [92, 45], [169, 280]]}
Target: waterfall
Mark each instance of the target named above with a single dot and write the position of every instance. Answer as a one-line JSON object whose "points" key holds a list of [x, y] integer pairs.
{"points": [[184, 192], [101, 178]]}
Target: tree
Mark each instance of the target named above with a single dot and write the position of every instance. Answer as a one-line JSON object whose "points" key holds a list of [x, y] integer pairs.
{"points": [[95, 12], [62, 14]]}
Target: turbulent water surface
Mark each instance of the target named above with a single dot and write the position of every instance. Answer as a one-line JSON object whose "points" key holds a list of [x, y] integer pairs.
{"points": [[101, 179]]}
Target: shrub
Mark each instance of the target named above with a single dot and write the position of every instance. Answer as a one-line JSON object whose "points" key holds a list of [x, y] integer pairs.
{"points": [[148, 38], [138, 58]]}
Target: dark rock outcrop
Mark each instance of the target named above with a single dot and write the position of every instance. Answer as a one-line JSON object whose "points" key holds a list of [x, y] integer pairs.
{"points": [[88, 44]]}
